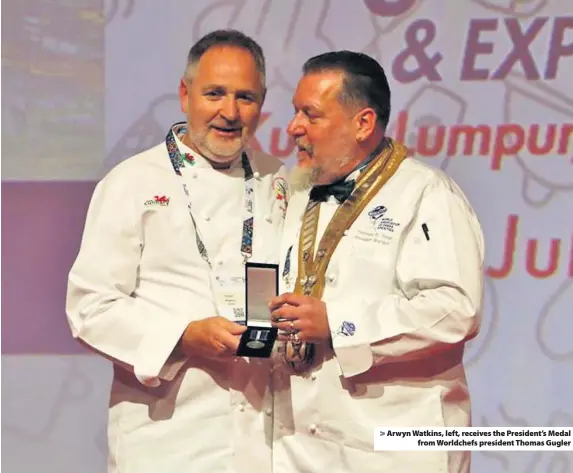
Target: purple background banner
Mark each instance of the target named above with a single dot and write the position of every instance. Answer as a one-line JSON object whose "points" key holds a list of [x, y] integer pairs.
{"points": [[42, 223]]}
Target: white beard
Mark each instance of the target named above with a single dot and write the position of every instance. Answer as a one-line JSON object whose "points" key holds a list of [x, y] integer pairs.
{"points": [[300, 178]]}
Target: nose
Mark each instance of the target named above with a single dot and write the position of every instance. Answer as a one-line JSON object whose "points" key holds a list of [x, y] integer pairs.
{"points": [[230, 110], [294, 128]]}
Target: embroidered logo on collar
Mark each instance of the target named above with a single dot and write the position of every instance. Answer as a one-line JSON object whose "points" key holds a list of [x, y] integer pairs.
{"points": [[161, 200], [182, 158], [280, 187], [379, 221], [188, 158]]}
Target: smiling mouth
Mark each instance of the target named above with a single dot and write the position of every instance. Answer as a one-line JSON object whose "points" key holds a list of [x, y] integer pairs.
{"points": [[229, 131]]}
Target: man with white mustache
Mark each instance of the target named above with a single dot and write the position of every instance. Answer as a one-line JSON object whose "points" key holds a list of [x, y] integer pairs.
{"points": [[382, 284], [158, 285]]}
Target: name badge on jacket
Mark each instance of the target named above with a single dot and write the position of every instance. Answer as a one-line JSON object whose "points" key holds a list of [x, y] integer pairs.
{"points": [[229, 291]]}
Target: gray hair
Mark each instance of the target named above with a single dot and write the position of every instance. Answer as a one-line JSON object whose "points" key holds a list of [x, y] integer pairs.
{"points": [[225, 38]]}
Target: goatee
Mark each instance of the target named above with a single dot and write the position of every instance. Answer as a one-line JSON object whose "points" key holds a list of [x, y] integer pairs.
{"points": [[301, 178]]}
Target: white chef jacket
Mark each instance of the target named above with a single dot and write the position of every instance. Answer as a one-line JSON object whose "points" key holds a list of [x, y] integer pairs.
{"points": [[137, 283], [413, 301]]}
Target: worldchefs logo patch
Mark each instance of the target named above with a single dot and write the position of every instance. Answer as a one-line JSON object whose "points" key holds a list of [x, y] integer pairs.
{"points": [[158, 200], [380, 222]]}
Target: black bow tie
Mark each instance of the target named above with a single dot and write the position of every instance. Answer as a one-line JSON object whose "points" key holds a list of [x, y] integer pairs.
{"points": [[340, 190]]}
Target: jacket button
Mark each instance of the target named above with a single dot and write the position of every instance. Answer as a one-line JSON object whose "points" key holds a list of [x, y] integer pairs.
{"points": [[312, 428], [194, 175], [241, 408], [257, 175], [268, 411], [313, 377], [331, 278]]}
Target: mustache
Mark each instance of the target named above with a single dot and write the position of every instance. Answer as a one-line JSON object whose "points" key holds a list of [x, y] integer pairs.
{"points": [[303, 147]]}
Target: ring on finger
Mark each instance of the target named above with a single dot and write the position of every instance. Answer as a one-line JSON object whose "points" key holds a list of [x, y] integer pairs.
{"points": [[292, 330]]}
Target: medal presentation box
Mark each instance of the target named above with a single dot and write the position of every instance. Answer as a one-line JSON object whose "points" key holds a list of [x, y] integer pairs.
{"points": [[261, 285]]}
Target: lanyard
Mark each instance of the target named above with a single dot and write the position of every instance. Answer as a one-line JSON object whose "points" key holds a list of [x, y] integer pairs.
{"points": [[178, 164]]}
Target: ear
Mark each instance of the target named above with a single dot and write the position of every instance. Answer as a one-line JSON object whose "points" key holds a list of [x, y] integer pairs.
{"points": [[183, 95], [365, 124], [263, 97]]}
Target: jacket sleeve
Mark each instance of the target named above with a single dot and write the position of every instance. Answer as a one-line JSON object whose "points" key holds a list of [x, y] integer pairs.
{"points": [[101, 309], [440, 289]]}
